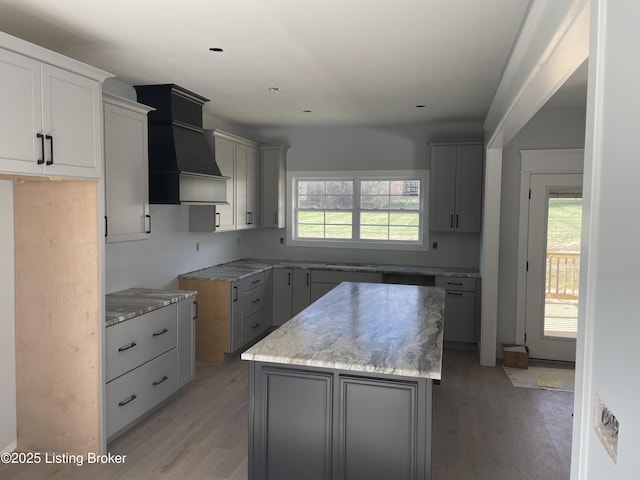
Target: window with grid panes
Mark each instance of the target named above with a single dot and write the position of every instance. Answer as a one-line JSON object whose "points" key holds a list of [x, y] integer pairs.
{"points": [[359, 210]]}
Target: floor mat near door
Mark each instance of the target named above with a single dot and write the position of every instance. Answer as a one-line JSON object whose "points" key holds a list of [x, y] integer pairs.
{"points": [[542, 377]]}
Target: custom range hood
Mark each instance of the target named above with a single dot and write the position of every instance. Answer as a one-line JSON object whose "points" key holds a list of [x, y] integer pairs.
{"points": [[182, 166]]}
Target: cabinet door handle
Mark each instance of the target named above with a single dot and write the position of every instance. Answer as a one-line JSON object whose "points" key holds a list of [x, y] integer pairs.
{"points": [[41, 137], [161, 332], [106, 226], [253, 327], [217, 219], [257, 280], [457, 218], [257, 300], [455, 283], [249, 218], [128, 400], [149, 217], [289, 281], [50, 138], [457, 294], [308, 278], [451, 221], [127, 347], [195, 310], [158, 382], [235, 294]]}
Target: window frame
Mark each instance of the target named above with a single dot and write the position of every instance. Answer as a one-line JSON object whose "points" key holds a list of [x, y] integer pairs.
{"points": [[387, 175]]}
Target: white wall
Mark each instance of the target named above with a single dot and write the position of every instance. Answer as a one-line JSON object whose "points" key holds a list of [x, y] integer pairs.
{"points": [[368, 148], [609, 307], [550, 128], [8, 433]]}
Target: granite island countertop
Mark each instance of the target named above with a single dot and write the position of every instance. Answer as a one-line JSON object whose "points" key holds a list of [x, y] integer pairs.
{"points": [[240, 269], [363, 327], [126, 304]]}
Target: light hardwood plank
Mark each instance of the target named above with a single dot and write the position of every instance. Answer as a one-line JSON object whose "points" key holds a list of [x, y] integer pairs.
{"points": [[483, 428]]}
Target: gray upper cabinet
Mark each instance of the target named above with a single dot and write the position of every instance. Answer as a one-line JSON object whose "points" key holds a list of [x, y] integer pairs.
{"points": [[126, 169], [456, 187]]}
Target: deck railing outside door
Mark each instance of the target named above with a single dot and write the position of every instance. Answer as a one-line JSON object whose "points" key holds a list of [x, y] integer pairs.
{"points": [[563, 274]]}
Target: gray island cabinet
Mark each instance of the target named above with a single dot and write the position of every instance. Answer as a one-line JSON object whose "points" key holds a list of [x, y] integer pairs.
{"points": [[343, 390]]}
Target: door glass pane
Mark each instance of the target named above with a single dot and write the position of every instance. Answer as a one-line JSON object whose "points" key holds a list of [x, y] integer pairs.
{"points": [[562, 272]]}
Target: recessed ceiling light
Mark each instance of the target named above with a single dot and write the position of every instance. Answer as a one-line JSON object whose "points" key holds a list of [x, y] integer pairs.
{"points": [[420, 106], [306, 111], [273, 89], [216, 49]]}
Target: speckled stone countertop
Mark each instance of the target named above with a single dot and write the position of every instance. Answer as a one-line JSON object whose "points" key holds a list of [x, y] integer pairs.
{"points": [[363, 327], [243, 268], [126, 304]]}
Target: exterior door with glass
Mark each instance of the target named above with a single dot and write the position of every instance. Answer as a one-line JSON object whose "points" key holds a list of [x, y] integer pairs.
{"points": [[553, 266]]}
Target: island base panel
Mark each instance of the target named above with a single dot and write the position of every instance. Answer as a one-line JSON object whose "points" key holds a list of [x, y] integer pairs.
{"points": [[316, 423]]}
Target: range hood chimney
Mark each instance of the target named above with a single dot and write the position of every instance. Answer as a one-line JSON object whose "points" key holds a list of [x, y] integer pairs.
{"points": [[182, 166]]}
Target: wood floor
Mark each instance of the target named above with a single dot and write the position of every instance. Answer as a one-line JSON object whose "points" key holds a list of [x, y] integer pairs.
{"points": [[483, 428]]}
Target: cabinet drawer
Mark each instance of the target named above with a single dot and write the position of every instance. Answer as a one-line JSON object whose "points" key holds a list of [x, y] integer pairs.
{"points": [[253, 301], [131, 395], [253, 325], [253, 281], [456, 283], [138, 340]]}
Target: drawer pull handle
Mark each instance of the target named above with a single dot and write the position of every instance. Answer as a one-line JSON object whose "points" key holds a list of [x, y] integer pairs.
{"points": [[255, 326], [455, 283], [257, 280], [161, 332], [128, 400], [127, 347], [457, 294], [158, 382], [257, 300]]}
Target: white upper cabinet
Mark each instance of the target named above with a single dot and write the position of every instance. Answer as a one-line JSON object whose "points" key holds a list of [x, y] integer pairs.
{"points": [[50, 117], [126, 169], [274, 161], [225, 158], [20, 114], [456, 187]]}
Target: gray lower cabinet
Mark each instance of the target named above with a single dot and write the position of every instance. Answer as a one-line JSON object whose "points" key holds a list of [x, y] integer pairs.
{"points": [[148, 358], [186, 344], [331, 424], [461, 309], [291, 293]]}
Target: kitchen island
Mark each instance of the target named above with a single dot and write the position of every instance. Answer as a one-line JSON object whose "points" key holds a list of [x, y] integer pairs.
{"points": [[343, 389]]}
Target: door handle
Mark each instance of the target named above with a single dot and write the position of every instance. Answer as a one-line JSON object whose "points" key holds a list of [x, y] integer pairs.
{"points": [[161, 332], [50, 138], [41, 137], [128, 400], [217, 219], [149, 217]]}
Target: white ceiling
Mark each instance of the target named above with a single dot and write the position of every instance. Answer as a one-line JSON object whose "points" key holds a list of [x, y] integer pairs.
{"points": [[352, 62]]}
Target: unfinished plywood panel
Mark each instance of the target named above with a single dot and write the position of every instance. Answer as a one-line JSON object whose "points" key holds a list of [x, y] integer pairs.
{"points": [[214, 318], [57, 316]]}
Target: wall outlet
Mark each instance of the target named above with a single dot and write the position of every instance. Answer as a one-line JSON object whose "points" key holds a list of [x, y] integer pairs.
{"points": [[607, 428]]}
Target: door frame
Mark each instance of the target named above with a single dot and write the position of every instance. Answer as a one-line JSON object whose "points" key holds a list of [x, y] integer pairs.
{"points": [[552, 161]]}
